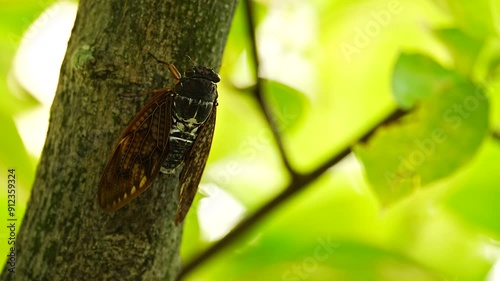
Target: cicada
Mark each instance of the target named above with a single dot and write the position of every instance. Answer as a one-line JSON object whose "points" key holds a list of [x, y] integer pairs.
{"points": [[175, 127]]}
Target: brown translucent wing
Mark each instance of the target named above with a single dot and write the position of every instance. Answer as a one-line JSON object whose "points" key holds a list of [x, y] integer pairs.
{"points": [[194, 164], [137, 158]]}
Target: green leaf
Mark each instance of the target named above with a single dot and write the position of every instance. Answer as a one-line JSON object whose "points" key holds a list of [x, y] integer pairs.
{"points": [[441, 134], [417, 77], [476, 197], [287, 103], [463, 48]]}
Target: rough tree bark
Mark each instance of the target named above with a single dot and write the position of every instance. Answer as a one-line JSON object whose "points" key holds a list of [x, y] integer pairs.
{"points": [[65, 235]]}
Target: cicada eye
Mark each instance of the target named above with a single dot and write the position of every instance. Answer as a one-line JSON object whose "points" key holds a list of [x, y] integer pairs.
{"points": [[203, 72], [190, 72]]}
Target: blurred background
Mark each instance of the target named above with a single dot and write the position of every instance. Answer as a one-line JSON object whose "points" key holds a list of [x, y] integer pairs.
{"points": [[418, 201]]}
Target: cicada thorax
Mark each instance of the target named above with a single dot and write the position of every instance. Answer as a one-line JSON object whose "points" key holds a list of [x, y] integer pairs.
{"points": [[195, 95]]}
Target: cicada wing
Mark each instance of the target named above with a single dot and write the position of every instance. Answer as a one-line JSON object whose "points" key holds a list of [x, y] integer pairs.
{"points": [[194, 164], [137, 158]]}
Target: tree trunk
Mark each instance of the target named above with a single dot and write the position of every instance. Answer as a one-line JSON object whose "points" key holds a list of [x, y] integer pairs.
{"points": [[65, 235]]}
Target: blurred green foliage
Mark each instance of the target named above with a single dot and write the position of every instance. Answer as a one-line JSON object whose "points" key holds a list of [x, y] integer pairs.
{"points": [[333, 69]]}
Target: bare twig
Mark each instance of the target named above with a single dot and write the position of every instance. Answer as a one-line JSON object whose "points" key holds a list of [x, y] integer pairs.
{"points": [[496, 135]]}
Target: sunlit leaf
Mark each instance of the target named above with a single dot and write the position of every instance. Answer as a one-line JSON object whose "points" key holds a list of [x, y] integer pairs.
{"points": [[417, 77], [477, 196], [441, 134]]}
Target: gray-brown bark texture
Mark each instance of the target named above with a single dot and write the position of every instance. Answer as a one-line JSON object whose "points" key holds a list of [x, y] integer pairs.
{"points": [[65, 235]]}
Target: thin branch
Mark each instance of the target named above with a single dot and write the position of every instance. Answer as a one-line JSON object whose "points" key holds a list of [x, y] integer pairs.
{"points": [[496, 135], [258, 93], [297, 184]]}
